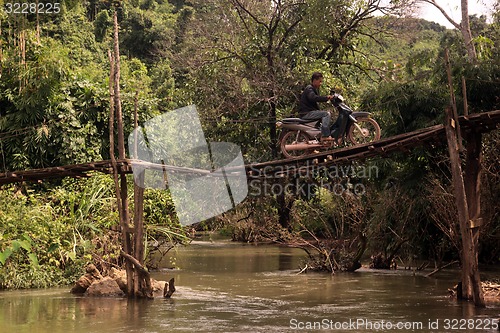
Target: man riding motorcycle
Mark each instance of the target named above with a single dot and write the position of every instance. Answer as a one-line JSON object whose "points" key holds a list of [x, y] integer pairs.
{"points": [[309, 110]]}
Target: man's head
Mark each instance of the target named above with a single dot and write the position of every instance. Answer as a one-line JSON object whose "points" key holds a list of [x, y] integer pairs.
{"points": [[316, 80]]}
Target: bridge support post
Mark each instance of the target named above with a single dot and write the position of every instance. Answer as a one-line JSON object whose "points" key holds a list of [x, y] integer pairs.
{"points": [[473, 192], [467, 201], [284, 207], [138, 278]]}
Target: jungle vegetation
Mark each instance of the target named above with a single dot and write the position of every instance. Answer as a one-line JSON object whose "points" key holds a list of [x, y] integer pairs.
{"points": [[243, 63]]}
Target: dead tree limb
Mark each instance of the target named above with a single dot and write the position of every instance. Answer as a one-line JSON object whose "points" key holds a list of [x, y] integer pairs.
{"points": [[442, 267], [143, 273]]}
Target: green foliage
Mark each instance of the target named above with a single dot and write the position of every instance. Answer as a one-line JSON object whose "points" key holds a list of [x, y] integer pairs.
{"points": [[88, 206], [163, 83], [49, 235], [26, 232], [242, 68], [148, 29], [24, 242], [158, 207], [404, 107], [102, 25]]}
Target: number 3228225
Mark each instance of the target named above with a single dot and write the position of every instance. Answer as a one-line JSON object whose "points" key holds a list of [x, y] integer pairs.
{"points": [[32, 8]]}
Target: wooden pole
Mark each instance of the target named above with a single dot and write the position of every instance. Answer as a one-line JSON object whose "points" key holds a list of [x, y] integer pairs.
{"points": [[141, 286], [136, 123], [464, 93], [112, 136], [118, 105], [460, 197], [471, 283], [467, 195], [142, 272], [473, 193], [37, 25], [453, 102], [138, 279], [142, 283], [123, 189]]}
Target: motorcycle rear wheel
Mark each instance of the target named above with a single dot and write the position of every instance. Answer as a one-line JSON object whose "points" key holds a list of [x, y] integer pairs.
{"points": [[292, 137], [370, 131]]}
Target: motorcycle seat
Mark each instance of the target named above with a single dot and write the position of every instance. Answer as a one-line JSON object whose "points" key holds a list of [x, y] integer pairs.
{"points": [[296, 120]]}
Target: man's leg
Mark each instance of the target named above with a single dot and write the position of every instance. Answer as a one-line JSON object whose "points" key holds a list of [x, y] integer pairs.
{"points": [[325, 120], [339, 127]]}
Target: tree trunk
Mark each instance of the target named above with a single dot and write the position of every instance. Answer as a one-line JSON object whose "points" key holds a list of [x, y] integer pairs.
{"points": [[284, 208], [272, 101], [464, 26], [466, 33], [272, 129]]}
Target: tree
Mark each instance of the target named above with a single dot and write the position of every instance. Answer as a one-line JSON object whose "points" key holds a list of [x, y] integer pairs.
{"points": [[256, 61], [463, 26], [147, 30], [52, 95]]}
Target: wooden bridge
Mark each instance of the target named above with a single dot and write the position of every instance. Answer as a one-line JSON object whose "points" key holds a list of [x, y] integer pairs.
{"points": [[467, 191], [431, 136]]}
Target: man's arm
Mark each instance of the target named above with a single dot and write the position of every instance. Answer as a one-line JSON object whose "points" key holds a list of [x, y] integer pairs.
{"points": [[313, 97]]}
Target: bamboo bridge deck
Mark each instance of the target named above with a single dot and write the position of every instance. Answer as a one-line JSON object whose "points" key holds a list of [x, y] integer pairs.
{"points": [[430, 136]]}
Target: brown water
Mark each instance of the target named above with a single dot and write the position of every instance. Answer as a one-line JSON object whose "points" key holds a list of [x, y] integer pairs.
{"points": [[226, 287]]}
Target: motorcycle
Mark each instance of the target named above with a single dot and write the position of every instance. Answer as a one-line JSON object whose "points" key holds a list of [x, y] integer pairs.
{"points": [[301, 137]]}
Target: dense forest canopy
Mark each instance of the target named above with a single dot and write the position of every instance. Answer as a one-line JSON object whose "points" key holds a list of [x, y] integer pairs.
{"points": [[54, 66], [244, 63]]}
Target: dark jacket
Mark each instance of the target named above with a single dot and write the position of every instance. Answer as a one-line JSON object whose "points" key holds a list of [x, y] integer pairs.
{"points": [[309, 100]]}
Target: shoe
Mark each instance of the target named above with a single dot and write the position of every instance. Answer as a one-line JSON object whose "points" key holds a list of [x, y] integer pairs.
{"points": [[326, 138]]}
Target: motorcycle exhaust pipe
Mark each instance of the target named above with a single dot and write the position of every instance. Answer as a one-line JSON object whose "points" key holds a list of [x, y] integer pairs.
{"points": [[302, 146]]}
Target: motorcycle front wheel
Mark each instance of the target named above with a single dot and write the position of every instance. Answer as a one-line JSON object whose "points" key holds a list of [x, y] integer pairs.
{"points": [[292, 138], [364, 131]]}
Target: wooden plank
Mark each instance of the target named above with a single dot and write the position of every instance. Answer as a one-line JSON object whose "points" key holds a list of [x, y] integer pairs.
{"points": [[476, 223]]}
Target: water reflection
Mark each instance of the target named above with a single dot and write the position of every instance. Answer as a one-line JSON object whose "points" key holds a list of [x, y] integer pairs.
{"points": [[225, 287]]}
